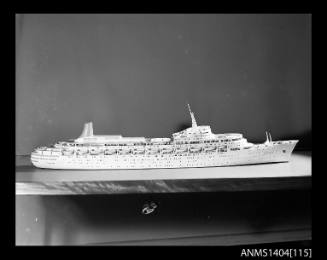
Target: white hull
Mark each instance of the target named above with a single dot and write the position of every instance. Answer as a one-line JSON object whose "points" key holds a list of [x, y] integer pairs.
{"points": [[263, 153]]}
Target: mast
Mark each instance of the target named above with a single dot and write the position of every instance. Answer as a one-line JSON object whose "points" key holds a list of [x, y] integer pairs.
{"points": [[194, 124], [267, 138]]}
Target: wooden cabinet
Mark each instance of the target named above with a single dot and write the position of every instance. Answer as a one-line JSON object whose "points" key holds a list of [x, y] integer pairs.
{"points": [[211, 206]]}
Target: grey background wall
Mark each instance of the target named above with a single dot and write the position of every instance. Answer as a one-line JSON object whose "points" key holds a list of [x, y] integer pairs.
{"points": [[133, 75]]}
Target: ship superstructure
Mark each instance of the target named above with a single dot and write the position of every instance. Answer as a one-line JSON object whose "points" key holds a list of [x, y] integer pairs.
{"points": [[195, 146]]}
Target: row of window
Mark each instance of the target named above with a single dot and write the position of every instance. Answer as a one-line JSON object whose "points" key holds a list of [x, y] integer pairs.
{"points": [[146, 144]]}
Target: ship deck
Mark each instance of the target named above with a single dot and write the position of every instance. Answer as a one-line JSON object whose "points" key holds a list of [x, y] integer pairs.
{"points": [[278, 176]]}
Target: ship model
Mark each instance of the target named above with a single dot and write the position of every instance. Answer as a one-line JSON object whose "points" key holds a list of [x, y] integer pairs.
{"points": [[195, 146]]}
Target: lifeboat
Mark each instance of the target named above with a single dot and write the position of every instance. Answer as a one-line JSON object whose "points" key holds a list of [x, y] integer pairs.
{"points": [[167, 150], [124, 151], [94, 151], [109, 151], [180, 149], [209, 148], [81, 151], [138, 151], [152, 151], [68, 152], [195, 149]]}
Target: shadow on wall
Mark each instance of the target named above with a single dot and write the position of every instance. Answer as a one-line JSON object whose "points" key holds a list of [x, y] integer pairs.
{"points": [[100, 218]]}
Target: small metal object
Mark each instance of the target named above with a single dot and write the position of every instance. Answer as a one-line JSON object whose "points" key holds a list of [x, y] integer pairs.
{"points": [[149, 208]]}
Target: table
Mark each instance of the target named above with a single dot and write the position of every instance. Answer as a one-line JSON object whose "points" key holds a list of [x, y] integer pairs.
{"points": [[200, 206]]}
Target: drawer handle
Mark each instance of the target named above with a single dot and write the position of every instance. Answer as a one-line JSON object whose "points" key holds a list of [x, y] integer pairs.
{"points": [[148, 208]]}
